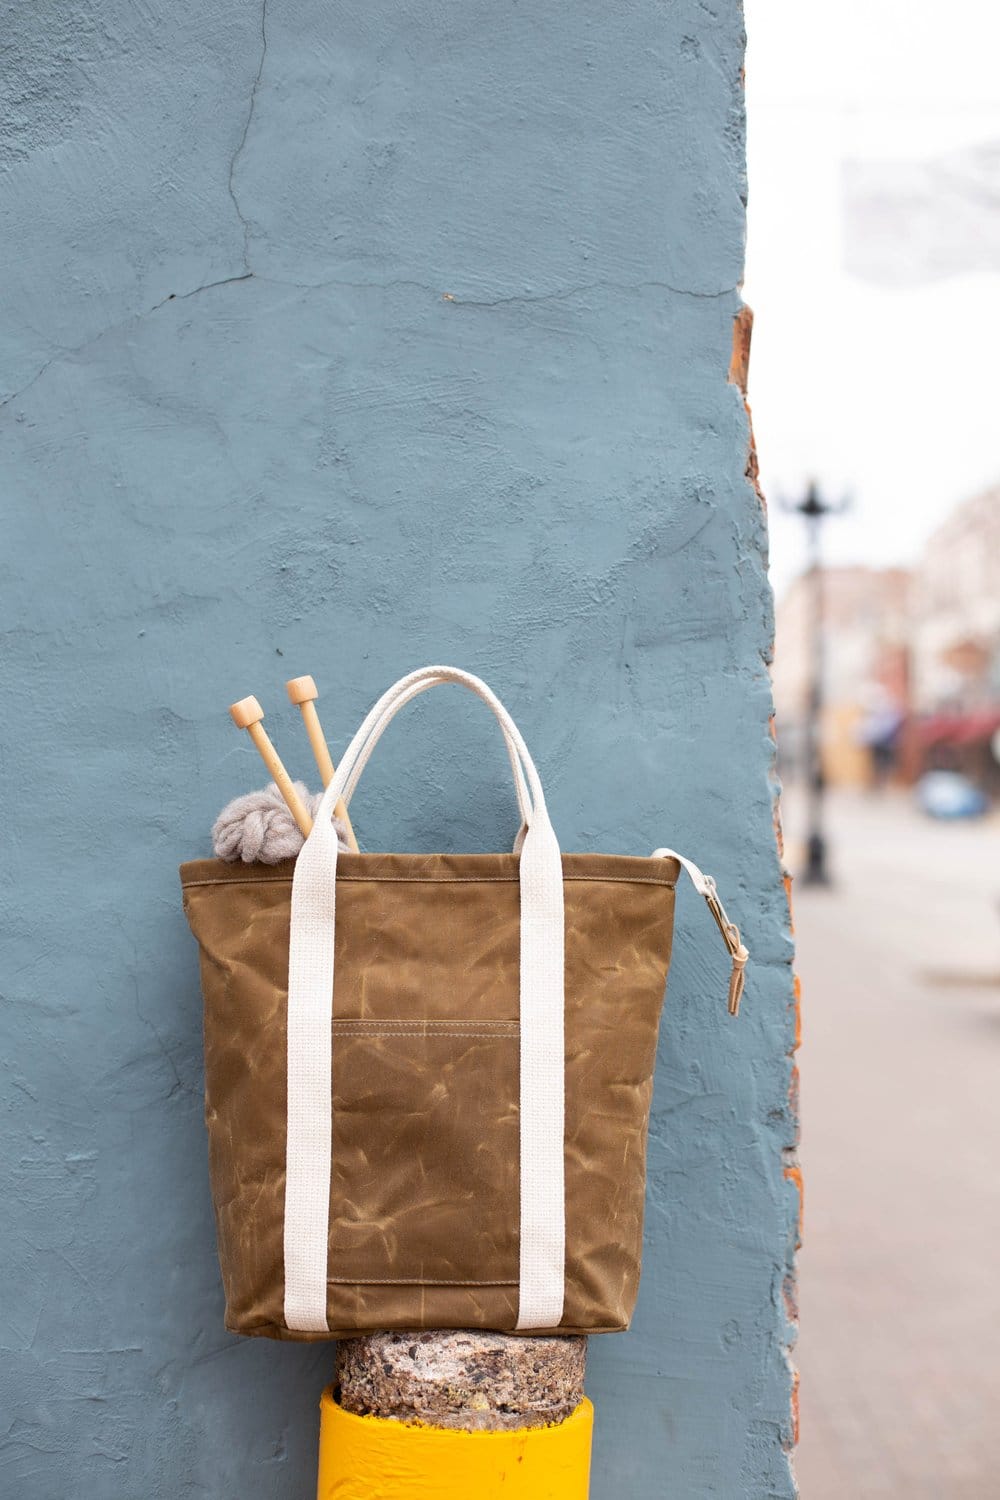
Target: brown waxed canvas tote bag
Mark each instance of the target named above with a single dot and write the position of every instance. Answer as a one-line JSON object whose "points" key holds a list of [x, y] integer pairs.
{"points": [[428, 1076]]}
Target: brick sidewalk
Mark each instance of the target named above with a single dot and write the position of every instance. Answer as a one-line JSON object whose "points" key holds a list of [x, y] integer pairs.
{"points": [[899, 1287]]}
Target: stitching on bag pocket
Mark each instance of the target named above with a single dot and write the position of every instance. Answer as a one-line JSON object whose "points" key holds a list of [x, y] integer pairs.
{"points": [[421, 1021], [346, 1030], [407, 1281], [360, 1026]]}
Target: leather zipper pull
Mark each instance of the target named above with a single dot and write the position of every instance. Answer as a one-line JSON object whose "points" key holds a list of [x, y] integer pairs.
{"points": [[705, 886]]}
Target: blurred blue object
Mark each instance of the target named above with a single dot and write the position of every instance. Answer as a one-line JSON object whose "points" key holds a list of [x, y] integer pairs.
{"points": [[949, 794]]}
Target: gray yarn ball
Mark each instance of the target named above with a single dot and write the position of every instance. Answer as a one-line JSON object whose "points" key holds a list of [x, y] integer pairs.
{"points": [[259, 829]]}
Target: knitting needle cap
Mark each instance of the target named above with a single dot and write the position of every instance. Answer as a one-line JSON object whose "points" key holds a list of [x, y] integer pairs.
{"points": [[248, 711], [302, 689]]}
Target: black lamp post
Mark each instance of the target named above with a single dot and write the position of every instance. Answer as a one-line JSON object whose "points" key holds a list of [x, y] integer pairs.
{"points": [[814, 511]]}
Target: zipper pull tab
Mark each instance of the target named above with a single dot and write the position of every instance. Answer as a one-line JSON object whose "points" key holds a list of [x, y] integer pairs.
{"points": [[705, 886]]}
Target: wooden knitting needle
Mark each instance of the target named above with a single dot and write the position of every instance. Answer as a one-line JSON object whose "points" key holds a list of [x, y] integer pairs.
{"points": [[247, 714], [303, 692]]}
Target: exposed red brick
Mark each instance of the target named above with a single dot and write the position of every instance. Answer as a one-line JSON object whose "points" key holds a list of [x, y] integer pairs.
{"points": [[793, 1174], [739, 371], [795, 1408]]}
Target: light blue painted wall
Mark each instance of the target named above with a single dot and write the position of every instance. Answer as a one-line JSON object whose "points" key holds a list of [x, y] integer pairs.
{"points": [[340, 339]]}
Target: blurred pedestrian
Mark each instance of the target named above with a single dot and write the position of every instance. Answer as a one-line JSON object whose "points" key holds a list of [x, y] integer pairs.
{"points": [[879, 733]]}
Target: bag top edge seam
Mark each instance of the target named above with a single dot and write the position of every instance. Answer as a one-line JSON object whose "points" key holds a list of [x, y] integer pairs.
{"points": [[438, 880]]}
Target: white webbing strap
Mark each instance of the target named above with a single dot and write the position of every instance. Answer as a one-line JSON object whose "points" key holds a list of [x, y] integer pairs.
{"points": [[705, 886], [308, 1145], [542, 1047], [542, 1269]]}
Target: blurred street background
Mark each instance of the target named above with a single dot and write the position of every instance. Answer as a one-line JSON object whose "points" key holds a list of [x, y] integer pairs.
{"points": [[899, 1299], [873, 265]]}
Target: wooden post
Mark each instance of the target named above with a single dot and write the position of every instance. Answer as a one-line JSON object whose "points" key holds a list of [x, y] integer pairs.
{"points": [[479, 1382]]}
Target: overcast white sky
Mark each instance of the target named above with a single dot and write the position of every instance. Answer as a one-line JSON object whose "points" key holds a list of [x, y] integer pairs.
{"points": [[890, 393]]}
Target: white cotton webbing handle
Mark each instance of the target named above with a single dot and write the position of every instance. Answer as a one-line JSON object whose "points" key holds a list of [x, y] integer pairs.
{"points": [[380, 715], [390, 704], [542, 1047]]}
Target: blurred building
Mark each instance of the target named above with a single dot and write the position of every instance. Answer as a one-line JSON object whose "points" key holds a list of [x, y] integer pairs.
{"points": [[956, 612], [911, 659], [866, 634], [955, 641]]}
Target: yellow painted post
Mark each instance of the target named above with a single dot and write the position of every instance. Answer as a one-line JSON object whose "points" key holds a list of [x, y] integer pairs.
{"points": [[375, 1458]]}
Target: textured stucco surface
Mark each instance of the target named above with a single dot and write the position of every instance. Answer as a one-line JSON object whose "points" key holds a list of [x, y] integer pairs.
{"points": [[338, 340]]}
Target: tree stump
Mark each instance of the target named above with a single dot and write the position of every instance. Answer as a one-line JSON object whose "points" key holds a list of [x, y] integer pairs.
{"points": [[478, 1382]]}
